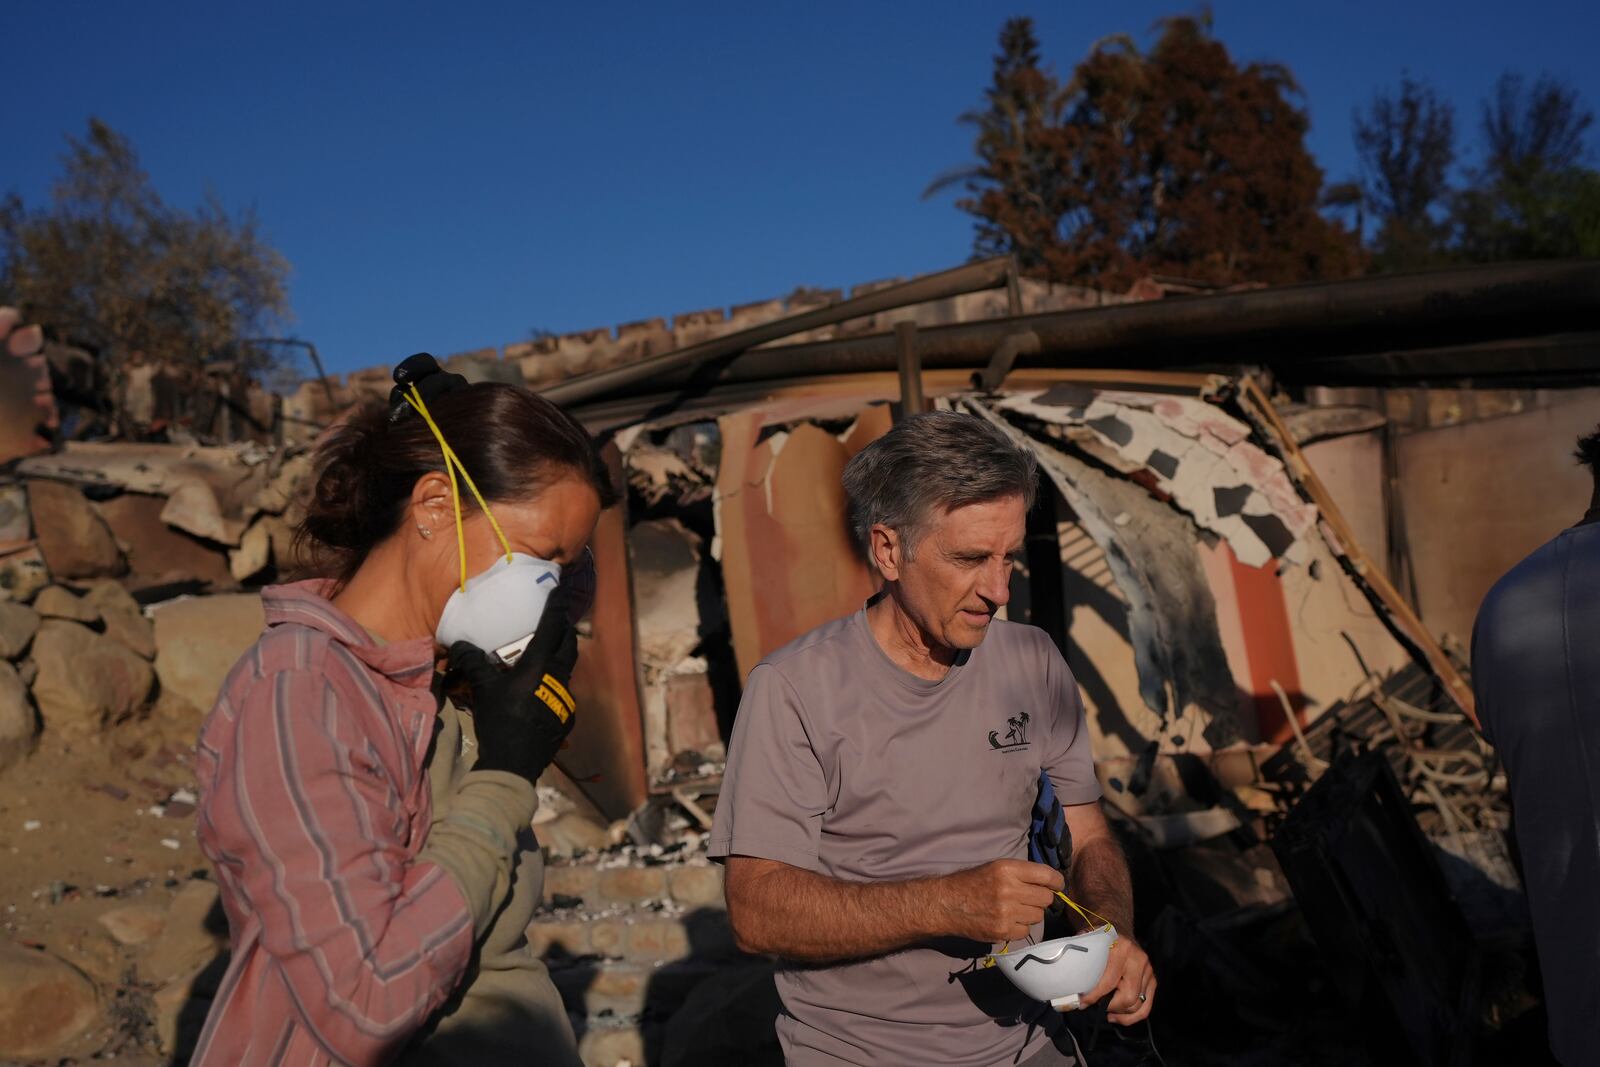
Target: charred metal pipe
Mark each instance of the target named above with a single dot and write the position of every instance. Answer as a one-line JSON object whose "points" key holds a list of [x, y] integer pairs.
{"points": [[1005, 357], [1347, 330], [680, 363], [910, 367]]}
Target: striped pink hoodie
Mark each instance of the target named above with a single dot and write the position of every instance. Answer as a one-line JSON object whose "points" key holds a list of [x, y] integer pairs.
{"points": [[314, 808]]}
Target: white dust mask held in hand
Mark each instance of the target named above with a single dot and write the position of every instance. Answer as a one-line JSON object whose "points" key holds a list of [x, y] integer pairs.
{"points": [[499, 609]]}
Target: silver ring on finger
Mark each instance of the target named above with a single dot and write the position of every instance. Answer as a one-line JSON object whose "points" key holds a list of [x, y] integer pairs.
{"points": [[1142, 997]]}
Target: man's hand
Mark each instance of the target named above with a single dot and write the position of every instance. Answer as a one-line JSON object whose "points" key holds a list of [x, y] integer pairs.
{"points": [[1100, 880], [1130, 982], [999, 901]]}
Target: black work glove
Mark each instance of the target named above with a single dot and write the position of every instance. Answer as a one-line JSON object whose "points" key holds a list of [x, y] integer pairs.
{"points": [[523, 713]]}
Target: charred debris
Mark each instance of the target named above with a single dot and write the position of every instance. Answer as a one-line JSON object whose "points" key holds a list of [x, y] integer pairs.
{"points": [[1242, 554]]}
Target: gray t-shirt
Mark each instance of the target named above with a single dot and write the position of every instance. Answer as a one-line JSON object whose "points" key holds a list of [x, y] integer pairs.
{"points": [[846, 765]]}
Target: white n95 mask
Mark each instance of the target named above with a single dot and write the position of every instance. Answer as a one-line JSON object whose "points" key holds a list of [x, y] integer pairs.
{"points": [[499, 609]]}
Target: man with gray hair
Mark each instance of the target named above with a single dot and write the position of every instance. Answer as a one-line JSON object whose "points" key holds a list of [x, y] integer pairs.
{"points": [[875, 814]]}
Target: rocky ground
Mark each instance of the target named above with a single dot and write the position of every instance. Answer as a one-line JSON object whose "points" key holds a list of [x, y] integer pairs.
{"points": [[107, 905]]}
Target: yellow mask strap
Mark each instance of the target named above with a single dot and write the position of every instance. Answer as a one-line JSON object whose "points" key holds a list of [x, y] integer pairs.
{"points": [[1088, 916], [452, 463]]}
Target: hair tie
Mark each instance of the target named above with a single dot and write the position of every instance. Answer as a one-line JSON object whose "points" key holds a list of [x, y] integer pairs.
{"points": [[422, 373]]}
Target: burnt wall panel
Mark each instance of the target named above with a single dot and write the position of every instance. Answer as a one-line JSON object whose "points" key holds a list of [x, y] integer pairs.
{"points": [[606, 751], [787, 557], [1351, 467], [1481, 495]]}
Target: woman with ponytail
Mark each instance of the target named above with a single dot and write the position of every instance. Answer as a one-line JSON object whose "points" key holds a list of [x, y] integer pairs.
{"points": [[367, 774]]}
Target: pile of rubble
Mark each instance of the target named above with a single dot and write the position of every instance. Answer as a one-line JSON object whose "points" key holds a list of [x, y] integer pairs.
{"points": [[175, 513], [81, 630], [638, 944]]}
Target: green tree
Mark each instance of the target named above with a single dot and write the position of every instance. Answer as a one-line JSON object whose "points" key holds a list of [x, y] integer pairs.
{"points": [[1014, 189], [1405, 141], [109, 265], [1532, 197], [1173, 161]]}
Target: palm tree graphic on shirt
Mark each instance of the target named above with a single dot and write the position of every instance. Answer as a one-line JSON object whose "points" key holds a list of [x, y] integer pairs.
{"points": [[1015, 737]]}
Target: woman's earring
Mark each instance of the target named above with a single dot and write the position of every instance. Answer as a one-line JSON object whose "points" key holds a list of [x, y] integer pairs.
{"points": [[424, 531]]}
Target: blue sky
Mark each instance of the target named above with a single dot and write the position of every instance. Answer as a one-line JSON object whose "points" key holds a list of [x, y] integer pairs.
{"points": [[449, 177]]}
